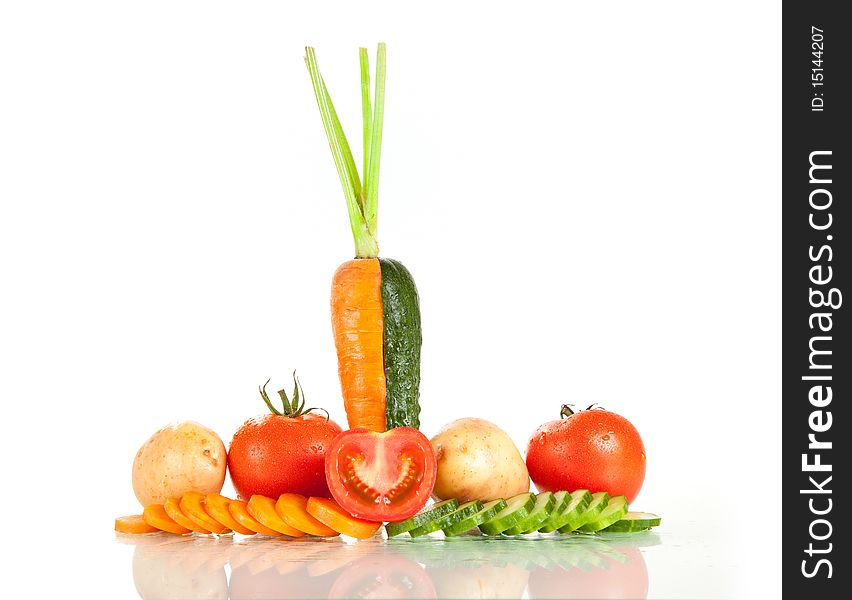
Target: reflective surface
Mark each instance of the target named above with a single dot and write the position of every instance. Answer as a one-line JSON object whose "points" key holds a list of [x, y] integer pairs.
{"points": [[571, 566]]}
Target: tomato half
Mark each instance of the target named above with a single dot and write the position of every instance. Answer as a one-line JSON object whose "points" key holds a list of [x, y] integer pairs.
{"points": [[596, 450], [383, 577], [381, 476]]}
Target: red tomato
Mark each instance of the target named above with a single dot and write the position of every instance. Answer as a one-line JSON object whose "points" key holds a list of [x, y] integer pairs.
{"points": [[276, 453], [593, 449], [381, 476]]}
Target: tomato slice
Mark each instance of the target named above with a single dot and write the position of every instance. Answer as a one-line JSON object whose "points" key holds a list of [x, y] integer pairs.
{"points": [[381, 476]]}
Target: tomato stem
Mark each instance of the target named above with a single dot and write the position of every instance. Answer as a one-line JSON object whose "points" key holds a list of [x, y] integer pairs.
{"points": [[265, 396], [566, 410], [294, 408]]}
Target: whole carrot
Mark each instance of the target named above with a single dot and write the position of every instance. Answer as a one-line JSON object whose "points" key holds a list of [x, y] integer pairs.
{"points": [[375, 308]]}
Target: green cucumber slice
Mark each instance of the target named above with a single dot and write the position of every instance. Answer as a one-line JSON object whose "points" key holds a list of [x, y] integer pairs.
{"points": [[577, 503], [466, 510], [595, 507], [430, 513], [517, 509], [634, 521], [560, 502], [544, 504], [614, 511], [489, 510]]}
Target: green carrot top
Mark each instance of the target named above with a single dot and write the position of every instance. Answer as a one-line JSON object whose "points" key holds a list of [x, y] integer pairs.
{"points": [[361, 196]]}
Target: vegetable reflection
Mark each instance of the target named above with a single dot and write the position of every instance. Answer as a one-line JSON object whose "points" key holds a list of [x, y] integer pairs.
{"points": [[572, 566]]}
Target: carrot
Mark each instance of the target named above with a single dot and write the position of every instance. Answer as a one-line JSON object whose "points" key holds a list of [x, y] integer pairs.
{"points": [[358, 323], [239, 511], [216, 506], [155, 515], [133, 524], [291, 508], [329, 513], [263, 509], [173, 510], [375, 313], [192, 505]]}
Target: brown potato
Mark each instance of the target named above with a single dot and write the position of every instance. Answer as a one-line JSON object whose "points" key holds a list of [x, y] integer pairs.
{"points": [[478, 461], [179, 458]]}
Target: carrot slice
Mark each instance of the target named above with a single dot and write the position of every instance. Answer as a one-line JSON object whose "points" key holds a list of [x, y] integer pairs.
{"points": [[329, 513], [239, 510], [192, 505], [133, 524], [216, 506], [155, 515], [357, 320], [172, 508], [263, 509], [291, 508]]}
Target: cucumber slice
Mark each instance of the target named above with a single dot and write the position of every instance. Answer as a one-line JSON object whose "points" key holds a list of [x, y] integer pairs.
{"points": [[614, 511], [578, 500], [595, 507], [634, 521], [560, 501], [429, 513], [517, 509], [544, 504], [466, 510], [489, 509]]}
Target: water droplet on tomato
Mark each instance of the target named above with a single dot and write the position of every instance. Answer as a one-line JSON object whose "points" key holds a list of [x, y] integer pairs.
{"points": [[605, 437], [542, 439]]}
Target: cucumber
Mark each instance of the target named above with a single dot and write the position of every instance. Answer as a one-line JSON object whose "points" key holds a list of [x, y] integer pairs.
{"points": [[517, 509], [614, 511], [489, 509], [595, 507], [402, 338], [424, 516], [465, 511], [544, 504], [634, 521], [578, 500]]}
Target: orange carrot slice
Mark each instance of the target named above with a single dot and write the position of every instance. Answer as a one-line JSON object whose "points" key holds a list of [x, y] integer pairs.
{"points": [[239, 511], [329, 513], [155, 515], [172, 508], [192, 505], [216, 506], [263, 509], [133, 524], [291, 508]]}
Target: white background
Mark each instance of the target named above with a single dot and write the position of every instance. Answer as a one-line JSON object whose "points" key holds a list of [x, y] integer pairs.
{"points": [[587, 195]]}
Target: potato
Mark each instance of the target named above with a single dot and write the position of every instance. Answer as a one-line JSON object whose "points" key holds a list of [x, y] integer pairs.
{"points": [[179, 458], [478, 461]]}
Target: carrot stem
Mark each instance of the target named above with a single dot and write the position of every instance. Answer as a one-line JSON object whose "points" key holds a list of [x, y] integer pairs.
{"points": [[366, 109], [361, 196], [372, 172]]}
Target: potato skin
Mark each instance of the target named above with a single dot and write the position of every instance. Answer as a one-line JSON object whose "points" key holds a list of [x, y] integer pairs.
{"points": [[477, 461], [179, 458]]}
